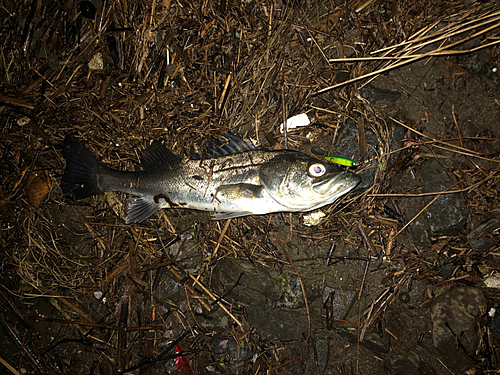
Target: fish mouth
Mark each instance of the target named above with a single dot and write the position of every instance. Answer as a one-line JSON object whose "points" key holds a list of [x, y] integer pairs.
{"points": [[338, 185]]}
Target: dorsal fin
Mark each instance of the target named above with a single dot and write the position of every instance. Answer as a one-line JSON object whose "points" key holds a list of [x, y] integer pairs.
{"points": [[157, 155], [230, 145]]}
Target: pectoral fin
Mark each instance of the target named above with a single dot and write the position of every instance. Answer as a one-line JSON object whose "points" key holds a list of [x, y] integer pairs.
{"points": [[240, 191], [237, 192]]}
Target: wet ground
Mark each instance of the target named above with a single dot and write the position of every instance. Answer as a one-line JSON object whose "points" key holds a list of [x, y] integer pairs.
{"points": [[400, 276]]}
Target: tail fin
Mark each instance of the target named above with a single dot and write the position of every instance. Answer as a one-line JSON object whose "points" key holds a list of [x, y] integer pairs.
{"points": [[80, 175]]}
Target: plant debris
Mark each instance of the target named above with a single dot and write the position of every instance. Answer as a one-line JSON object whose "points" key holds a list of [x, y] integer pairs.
{"points": [[407, 89]]}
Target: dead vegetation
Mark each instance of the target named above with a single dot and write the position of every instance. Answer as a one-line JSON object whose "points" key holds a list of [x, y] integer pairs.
{"points": [[120, 74]]}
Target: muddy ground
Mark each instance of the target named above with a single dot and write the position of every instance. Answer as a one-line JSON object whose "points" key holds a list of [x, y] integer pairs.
{"points": [[400, 275]]}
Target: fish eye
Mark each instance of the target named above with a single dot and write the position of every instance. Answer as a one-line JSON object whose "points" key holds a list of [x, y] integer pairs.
{"points": [[317, 170]]}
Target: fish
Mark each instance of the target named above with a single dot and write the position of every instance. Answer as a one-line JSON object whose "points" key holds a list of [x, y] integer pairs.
{"points": [[232, 179]]}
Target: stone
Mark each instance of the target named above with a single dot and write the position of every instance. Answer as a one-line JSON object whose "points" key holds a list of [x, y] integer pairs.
{"points": [[447, 215], [342, 301], [293, 297], [231, 354], [454, 316], [401, 364], [307, 364], [313, 218], [213, 321], [169, 291], [96, 62], [255, 282], [376, 94], [347, 146], [492, 281], [187, 253], [495, 326], [371, 341], [479, 240], [277, 324]]}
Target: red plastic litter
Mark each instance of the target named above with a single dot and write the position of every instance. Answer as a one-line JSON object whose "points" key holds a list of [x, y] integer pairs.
{"points": [[182, 362]]}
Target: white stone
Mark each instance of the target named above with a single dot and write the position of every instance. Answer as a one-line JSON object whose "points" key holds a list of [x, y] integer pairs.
{"points": [[493, 281], [313, 218]]}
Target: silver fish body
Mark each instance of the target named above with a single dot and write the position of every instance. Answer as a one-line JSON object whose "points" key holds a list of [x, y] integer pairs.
{"points": [[236, 180]]}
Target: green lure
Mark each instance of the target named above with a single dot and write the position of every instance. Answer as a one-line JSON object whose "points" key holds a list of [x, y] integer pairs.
{"points": [[341, 161]]}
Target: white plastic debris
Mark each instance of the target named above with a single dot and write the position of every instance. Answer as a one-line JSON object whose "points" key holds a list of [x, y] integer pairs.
{"points": [[295, 122], [313, 218], [98, 294], [492, 312]]}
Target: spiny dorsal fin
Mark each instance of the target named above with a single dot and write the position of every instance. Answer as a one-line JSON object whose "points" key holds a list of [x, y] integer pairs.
{"points": [[157, 155], [229, 145]]}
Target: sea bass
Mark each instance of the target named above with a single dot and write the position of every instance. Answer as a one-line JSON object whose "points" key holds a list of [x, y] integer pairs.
{"points": [[232, 179]]}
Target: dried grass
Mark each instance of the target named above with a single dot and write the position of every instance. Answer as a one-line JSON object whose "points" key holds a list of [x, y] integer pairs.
{"points": [[183, 72]]}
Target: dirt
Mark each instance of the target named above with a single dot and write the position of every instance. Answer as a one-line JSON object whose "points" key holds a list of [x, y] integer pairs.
{"points": [[83, 293]]}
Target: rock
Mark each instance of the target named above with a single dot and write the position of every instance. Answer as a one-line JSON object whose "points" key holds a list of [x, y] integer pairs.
{"points": [[231, 354], [96, 62], [375, 94], [293, 297], [479, 240], [479, 67], [213, 321], [307, 365], [187, 252], [347, 147], [495, 326], [493, 281], [401, 364], [341, 302], [255, 281], [398, 135], [446, 216], [447, 271], [454, 316], [276, 324], [341, 76], [313, 218], [371, 341], [490, 261], [169, 291]]}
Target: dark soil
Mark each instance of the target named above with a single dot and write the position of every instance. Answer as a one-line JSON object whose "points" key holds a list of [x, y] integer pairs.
{"points": [[401, 275]]}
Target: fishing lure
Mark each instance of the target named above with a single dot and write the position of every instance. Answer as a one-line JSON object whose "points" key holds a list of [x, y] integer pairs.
{"points": [[341, 161]]}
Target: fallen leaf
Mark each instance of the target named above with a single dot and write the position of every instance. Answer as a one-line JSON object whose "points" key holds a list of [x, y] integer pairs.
{"points": [[37, 187]]}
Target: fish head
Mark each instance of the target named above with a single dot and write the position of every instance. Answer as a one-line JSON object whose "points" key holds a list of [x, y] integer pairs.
{"points": [[301, 182]]}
